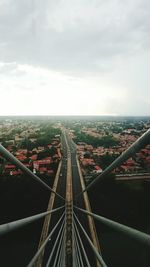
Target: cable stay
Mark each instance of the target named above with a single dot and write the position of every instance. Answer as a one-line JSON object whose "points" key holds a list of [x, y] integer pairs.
{"points": [[59, 250], [61, 262], [126, 230], [134, 148], [81, 243], [98, 256], [62, 253], [77, 247], [12, 226], [22, 167], [60, 233], [58, 254], [34, 259]]}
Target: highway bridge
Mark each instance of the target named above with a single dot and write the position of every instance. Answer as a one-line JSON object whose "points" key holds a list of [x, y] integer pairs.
{"points": [[69, 237]]}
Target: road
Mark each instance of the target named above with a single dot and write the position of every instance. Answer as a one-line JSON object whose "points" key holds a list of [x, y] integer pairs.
{"points": [[68, 148], [47, 220], [61, 189], [82, 202]]}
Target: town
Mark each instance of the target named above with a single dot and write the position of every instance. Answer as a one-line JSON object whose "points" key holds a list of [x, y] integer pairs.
{"points": [[37, 144], [63, 156]]}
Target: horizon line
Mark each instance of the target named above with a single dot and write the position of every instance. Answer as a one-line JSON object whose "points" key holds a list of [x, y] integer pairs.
{"points": [[101, 115]]}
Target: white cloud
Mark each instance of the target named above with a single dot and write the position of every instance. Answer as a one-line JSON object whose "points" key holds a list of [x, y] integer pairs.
{"points": [[32, 90], [95, 53]]}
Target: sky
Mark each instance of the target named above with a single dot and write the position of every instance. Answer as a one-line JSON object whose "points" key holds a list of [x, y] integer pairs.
{"points": [[75, 57]]}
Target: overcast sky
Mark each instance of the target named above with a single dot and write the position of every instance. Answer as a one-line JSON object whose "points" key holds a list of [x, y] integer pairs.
{"points": [[74, 57]]}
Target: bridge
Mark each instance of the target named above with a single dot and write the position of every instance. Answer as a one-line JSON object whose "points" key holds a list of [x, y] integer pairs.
{"points": [[69, 236]]}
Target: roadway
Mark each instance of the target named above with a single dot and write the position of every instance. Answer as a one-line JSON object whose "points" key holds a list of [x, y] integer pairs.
{"points": [[68, 147], [61, 189], [80, 202]]}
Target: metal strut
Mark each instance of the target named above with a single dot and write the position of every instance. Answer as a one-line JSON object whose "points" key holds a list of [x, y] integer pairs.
{"points": [[77, 247], [82, 246], [56, 242], [59, 250], [12, 226], [126, 230], [32, 262], [135, 147], [22, 167], [98, 256]]}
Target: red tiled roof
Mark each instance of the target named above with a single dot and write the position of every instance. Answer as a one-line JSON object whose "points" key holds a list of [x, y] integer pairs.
{"points": [[43, 169], [9, 166], [21, 157], [16, 172], [34, 157], [42, 161], [97, 168]]}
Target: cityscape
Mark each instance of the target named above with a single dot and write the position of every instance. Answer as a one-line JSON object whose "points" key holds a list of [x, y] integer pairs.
{"points": [[99, 143], [74, 133], [40, 144]]}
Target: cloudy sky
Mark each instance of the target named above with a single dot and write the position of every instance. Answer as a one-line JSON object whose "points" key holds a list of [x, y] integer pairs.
{"points": [[74, 57]]}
